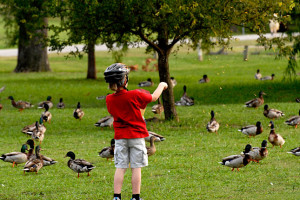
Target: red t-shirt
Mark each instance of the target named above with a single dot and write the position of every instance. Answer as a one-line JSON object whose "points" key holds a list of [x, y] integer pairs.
{"points": [[125, 107]]}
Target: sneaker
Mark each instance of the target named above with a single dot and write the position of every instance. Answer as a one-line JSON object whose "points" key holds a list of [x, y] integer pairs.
{"points": [[136, 199], [116, 198]]}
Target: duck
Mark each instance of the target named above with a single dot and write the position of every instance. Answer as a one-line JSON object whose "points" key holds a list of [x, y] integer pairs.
{"points": [[30, 128], [157, 108], [238, 161], [61, 104], [259, 153], [2, 89], [16, 157], [257, 75], [185, 100], [173, 81], [252, 130], [293, 121], [108, 152], [272, 113], [275, 139], [34, 164], [298, 100], [204, 79], [102, 97], [295, 151], [151, 150], [254, 103], [147, 83], [212, 125], [21, 105], [79, 165], [30, 155], [38, 133], [48, 102], [46, 116], [106, 121], [268, 78], [78, 113], [158, 137]]}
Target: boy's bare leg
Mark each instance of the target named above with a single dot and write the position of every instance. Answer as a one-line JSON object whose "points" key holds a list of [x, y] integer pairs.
{"points": [[136, 180], [118, 180]]}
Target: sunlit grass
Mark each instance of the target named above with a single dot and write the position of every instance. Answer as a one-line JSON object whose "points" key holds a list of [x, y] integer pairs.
{"points": [[185, 165]]}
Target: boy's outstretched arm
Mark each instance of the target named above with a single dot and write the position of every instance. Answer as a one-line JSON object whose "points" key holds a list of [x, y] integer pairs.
{"points": [[161, 87]]}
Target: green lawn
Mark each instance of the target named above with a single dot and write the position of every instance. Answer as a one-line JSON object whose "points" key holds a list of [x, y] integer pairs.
{"points": [[185, 165]]}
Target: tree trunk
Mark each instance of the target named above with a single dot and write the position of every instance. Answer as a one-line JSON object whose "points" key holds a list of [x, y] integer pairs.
{"points": [[32, 53], [91, 73], [167, 95]]}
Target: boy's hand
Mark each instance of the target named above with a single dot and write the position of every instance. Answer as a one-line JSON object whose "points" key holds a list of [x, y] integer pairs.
{"points": [[164, 84]]}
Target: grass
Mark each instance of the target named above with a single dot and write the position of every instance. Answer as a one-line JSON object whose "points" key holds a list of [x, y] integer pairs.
{"points": [[185, 165]]}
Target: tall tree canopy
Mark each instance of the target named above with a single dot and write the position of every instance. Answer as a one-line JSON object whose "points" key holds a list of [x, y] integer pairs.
{"points": [[162, 24], [26, 23]]}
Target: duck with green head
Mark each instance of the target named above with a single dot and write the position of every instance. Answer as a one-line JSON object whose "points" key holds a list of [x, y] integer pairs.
{"points": [[272, 113], [34, 164], [259, 153], [78, 113], [16, 157], [48, 102], [79, 165], [46, 115], [212, 125]]}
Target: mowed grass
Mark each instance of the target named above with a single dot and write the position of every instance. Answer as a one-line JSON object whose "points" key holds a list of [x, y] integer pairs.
{"points": [[185, 165]]}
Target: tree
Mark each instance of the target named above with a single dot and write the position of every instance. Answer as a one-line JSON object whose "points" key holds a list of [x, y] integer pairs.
{"points": [[26, 25], [163, 24], [82, 21]]}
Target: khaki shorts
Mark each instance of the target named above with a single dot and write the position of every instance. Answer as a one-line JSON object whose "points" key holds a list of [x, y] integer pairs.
{"points": [[131, 151]]}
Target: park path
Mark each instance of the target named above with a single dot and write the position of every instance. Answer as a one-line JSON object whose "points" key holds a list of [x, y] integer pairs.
{"points": [[14, 52]]}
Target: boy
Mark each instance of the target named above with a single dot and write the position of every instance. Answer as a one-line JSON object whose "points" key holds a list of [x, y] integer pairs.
{"points": [[129, 126]]}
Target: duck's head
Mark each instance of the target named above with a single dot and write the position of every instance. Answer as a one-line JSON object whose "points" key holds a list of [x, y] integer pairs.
{"points": [[24, 148], [112, 142], [247, 148], [172, 78], [258, 124], [46, 107], [30, 142], [299, 112], [37, 150], [273, 75], [261, 93], [49, 98], [271, 124], [37, 125], [78, 105], [204, 76], [41, 120], [212, 114], [61, 100], [71, 155], [266, 107], [264, 143], [149, 79], [11, 98], [257, 71], [184, 88]]}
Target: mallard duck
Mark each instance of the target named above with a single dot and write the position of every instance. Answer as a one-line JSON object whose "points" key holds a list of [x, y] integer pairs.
{"points": [[78, 113], [48, 102], [79, 165], [275, 139], [298, 100], [38, 133], [252, 130], [34, 164], [61, 104], [21, 105], [105, 121], [158, 137], [102, 97], [293, 121], [151, 150], [272, 113], [257, 75], [212, 125], [157, 108], [295, 151], [173, 81], [108, 152], [15, 157], [205, 79], [254, 103], [259, 153], [46, 116], [147, 83], [185, 100], [30, 128], [30, 155], [268, 77], [238, 161]]}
